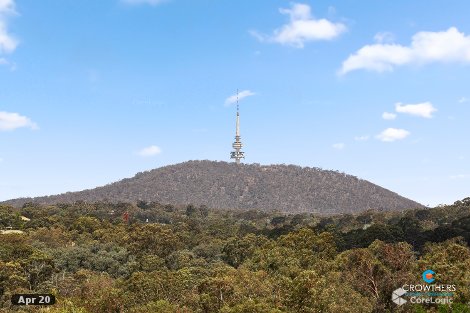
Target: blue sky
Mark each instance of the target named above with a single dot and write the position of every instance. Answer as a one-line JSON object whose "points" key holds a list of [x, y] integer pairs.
{"points": [[95, 91]]}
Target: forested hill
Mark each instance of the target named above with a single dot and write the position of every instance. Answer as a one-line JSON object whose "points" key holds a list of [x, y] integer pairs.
{"points": [[224, 185]]}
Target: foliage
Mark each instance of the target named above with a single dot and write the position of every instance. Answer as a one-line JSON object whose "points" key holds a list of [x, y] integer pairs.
{"points": [[195, 259]]}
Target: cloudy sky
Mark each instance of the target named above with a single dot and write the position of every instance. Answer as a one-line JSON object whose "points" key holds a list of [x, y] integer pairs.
{"points": [[95, 91]]}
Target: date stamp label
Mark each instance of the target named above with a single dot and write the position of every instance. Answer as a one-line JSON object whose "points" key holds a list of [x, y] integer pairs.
{"points": [[33, 299]]}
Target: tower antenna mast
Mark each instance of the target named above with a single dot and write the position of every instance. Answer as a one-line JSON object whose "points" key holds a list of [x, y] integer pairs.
{"points": [[237, 154]]}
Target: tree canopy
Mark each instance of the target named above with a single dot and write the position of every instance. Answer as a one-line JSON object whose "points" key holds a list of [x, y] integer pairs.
{"points": [[166, 258]]}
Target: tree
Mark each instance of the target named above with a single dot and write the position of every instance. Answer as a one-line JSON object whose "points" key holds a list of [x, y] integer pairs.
{"points": [[153, 239], [250, 306], [38, 268], [377, 270], [313, 292], [99, 293], [451, 262], [237, 250], [86, 224], [159, 306], [309, 247]]}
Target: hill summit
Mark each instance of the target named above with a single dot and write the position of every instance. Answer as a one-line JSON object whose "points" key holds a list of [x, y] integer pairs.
{"points": [[286, 188]]}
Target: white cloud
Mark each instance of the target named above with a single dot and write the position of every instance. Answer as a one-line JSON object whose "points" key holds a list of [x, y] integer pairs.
{"points": [[7, 6], [242, 94], [425, 109], [339, 146], [301, 28], [384, 37], [1, 160], [137, 2], [12, 121], [7, 42], [426, 47], [389, 116], [362, 138], [463, 100], [149, 151], [393, 134]]}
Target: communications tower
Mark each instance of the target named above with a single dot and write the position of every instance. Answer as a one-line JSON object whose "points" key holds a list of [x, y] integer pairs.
{"points": [[237, 145]]}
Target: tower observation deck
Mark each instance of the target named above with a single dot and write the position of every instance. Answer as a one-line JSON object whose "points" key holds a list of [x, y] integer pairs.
{"points": [[237, 154]]}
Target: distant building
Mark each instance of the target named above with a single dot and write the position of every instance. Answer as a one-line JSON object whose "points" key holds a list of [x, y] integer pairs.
{"points": [[11, 231]]}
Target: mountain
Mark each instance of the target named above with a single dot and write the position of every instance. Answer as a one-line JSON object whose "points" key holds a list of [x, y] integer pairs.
{"points": [[287, 188]]}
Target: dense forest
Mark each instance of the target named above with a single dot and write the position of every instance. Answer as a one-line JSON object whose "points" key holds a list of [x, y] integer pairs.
{"points": [[223, 185], [149, 257]]}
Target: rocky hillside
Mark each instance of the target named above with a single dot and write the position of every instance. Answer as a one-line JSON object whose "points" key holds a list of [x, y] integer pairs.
{"points": [[224, 185]]}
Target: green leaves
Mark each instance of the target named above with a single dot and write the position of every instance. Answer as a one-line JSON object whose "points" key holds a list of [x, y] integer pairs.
{"points": [[191, 259]]}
